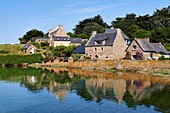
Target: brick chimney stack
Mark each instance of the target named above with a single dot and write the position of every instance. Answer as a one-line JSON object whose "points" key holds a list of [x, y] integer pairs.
{"points": [[94, 33]]}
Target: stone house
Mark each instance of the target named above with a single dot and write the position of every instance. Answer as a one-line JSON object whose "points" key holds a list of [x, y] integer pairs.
{"points": [[29, 49], [109, 45], [57, 32], [146, 50], [59, 37]]}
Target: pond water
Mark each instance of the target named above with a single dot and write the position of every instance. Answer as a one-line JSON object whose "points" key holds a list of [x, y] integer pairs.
{"points": [[79, 91]]}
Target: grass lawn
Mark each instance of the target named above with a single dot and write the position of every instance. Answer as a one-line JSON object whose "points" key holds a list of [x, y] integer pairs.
{"points": [[11, 49]]}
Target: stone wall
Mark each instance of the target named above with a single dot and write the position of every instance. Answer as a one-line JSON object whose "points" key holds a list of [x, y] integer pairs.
{"points": [[118, 64]]}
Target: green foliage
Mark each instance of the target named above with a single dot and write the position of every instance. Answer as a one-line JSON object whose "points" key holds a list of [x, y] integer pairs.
{"points": [[92, 26], [83, 92], [156, 26], [161, 35], [4, 52], [45, 44], [30, 34], [63, 51], [60, 51], [11, 49], [167, 47], [36, 44], [81, 35], [141, 34], [163, 58], [75, 57], [132, 29], [69, 50], [19, 59], [80, 27]]}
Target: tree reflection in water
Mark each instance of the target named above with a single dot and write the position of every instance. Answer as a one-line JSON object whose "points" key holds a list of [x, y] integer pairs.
{"points": [[129, 88]]}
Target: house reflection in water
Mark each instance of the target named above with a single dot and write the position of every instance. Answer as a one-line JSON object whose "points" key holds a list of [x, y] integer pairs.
{"points": [[59, 90], [109, 88], [112, 87]]}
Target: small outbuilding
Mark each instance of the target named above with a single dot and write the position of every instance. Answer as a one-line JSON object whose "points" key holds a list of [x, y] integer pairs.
{"points": [[29, 49], [79, 49]]}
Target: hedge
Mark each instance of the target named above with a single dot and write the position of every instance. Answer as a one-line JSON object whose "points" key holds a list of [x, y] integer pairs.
{"points": [[19, 59]]}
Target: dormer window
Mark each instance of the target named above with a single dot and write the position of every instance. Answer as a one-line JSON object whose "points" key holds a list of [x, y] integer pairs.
{"points": [[100, 42]]}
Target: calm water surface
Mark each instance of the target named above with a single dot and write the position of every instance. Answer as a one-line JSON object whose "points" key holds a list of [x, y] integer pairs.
{"points": [[77, 91]]}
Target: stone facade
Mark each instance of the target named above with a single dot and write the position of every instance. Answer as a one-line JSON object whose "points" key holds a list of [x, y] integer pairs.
{"points": [[57, 32], [58, 37], [115, 51], [146, 49], [61, 43], [29, 49], [134, 48]]}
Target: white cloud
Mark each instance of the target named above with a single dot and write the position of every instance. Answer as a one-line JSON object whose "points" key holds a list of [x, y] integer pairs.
{"points": [[93, 9]]}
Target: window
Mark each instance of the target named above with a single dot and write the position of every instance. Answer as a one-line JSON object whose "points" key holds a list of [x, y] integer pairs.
{"points": [[95, 49], [134, 47], [99, 42], [96, 56], [102, 49]]}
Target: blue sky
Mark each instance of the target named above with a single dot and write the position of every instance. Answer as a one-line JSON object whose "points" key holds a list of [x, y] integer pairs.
{"points": [[19, 16]]}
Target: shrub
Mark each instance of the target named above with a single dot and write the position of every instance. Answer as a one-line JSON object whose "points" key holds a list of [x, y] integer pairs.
{"points": [[75, 57], [163, 58], [19, 59]]}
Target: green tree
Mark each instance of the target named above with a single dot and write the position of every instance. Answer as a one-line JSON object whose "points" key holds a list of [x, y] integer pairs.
{"points": [[142, 34], [161, 18], [60, 51], [30, 34], [161, 35], [69, 50], [125, 22], [132, 29], [92, 26], [79, 28]]}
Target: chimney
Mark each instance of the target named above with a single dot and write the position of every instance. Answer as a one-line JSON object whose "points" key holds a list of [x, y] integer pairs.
{"points": [[54, 28], [147, 39], [94, 33], [60, 26]]}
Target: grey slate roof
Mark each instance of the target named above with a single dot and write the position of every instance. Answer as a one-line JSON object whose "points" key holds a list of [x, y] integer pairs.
{"points": [[79, 50], [76, 40], [159, 48], [26, 46], [40, 38], [73, 40], [114, 31], [145, 45], [150, 47], [61, 38], [110, 31], [109, 37]]}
